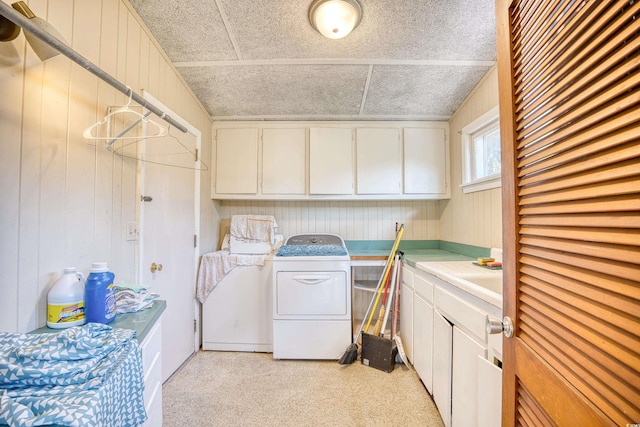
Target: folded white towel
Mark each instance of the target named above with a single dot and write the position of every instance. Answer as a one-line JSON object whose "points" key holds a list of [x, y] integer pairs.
{"points": [[215, 265], [254, 227]]}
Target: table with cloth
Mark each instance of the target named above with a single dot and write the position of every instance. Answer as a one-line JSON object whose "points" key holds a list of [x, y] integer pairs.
{"points": [[87, 375]]}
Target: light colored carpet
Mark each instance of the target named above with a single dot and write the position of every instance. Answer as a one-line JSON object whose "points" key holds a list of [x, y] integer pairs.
{"points": [[252, 389]]}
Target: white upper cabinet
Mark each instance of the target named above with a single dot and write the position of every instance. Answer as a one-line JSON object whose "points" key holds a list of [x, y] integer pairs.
{"points": [[330, 161], [236, 161], [425, 161], [378, 161], [284, 161]]}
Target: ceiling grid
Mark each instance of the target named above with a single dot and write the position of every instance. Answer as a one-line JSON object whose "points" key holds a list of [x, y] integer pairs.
{"points": [[262, 60]]}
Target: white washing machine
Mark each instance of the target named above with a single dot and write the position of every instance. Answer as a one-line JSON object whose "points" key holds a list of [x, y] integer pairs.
{"points": [[237, 314], [311, 298]]}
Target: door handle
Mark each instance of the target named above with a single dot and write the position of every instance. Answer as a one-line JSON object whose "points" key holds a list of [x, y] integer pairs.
{"points": [[497, 326], [155, 267], [311, 279]]}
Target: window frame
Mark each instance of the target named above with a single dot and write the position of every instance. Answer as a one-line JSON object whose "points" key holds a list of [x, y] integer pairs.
{"points": [[488, 121]]}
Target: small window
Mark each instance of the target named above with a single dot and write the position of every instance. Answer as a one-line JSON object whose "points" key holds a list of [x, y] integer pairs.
{"points": [[481, 153]]}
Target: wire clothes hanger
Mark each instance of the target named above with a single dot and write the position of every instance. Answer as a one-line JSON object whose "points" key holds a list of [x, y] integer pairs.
{"points": [[125, 109], [169, 151]]}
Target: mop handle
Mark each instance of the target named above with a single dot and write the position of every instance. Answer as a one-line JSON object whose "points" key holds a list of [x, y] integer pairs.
{"points": [[394, 278], [386, 272]]}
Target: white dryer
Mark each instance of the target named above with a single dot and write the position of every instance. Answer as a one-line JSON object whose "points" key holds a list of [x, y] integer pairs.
{"points": [[311, 298]]}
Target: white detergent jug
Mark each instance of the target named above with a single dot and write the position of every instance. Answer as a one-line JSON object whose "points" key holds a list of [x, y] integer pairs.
{"points": [[65, 300]]}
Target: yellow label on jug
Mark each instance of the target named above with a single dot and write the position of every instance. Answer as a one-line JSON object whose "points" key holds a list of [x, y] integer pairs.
{"points": [[65, 313]]}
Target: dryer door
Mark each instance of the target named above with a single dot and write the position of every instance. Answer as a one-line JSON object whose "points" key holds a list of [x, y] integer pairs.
{"points": [[311, 295]]}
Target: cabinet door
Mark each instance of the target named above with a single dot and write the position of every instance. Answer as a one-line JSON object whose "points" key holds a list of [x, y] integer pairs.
{"points": [[423, 340], [378, 161], [330, 161], [489, 394], [236, 161], [464, 382], [442, 345], [425, 161], [406, 320], [283, 161]]}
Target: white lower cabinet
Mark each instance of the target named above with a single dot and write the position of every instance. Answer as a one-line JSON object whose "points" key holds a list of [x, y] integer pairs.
{"points": [[464, 379], [406, 313], [151, 348], [489, 392], [451, 351], [442, 340], [423, 331]]}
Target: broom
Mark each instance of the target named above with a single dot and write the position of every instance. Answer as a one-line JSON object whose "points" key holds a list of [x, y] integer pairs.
{"points": [[382, 313], [351, 353]]}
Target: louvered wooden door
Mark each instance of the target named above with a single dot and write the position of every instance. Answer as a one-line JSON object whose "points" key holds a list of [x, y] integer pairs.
{"points": [[570, 127]]}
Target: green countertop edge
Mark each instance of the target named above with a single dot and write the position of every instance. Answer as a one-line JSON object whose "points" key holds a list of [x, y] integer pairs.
{"points": [[356, 247], [140, 321]]}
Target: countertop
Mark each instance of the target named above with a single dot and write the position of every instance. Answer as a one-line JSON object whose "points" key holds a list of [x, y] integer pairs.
{"points": [[141, 321], [414, 251], [435, 257]]}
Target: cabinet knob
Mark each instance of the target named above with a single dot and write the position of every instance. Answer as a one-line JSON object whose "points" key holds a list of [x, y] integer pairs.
{"points": [[497, 326], [155, 267]]}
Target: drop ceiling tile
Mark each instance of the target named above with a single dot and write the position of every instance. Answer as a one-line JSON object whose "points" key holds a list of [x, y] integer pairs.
{"points": [[276, 90], [420, 90], [390, 29], [188, 30]]}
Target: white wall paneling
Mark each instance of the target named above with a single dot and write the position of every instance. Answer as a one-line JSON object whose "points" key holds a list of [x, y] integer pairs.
{"points": [[66, 202], [473, 218], [353, 220]]}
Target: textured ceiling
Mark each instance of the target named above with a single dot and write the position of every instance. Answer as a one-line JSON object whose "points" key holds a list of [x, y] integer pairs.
{"points": [[261, 59]]}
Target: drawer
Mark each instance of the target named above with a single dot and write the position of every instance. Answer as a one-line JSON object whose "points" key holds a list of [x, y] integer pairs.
{"points": [[423, 287], [151, 346], [152, 381], [407, 277], [461, 313]]}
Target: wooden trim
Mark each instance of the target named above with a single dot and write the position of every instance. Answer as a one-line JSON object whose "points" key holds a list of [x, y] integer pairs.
{"points": [[509, 203]]}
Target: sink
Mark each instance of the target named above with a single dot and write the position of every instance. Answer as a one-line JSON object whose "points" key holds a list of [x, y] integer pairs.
{"points": [[479, 281], [491, 282]]}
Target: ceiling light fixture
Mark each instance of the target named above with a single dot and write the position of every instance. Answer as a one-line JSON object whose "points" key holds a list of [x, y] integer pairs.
{"points": [[335, 19]]}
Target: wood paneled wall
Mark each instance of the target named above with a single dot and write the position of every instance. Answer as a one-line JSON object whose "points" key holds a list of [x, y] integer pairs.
{"points": [[66, 202], [472, 218]]}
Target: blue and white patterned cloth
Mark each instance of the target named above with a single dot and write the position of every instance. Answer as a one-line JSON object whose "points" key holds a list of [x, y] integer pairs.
{"points": [[312, 250], [87, 375]]}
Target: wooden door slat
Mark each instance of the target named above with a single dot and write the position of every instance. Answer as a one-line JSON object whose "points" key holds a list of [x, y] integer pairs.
{"points": [[595, 250], [618, 146], [588, 115], [572, 322], [624, 203], [613, 236], [590, 263], [621, 296], [594, 171], [536, 44], [573, 55], [585, 84], [554, 51], [621, 220], [592, 191]]}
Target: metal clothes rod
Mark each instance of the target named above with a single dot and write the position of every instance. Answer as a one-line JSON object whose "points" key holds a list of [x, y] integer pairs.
{"points": [[17, 18]]}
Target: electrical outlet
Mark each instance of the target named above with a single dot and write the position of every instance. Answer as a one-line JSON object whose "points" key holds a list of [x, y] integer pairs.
{"points": [[132, 231]]}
